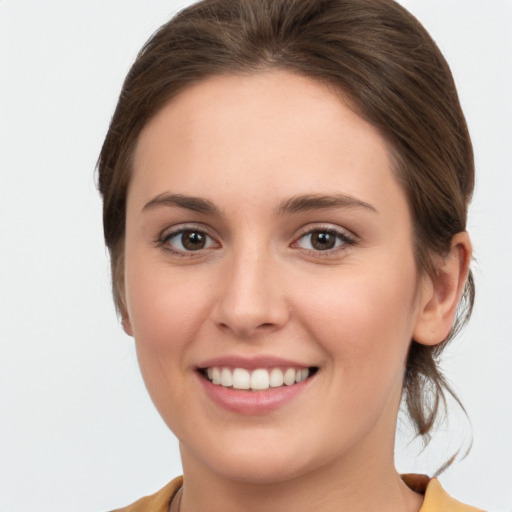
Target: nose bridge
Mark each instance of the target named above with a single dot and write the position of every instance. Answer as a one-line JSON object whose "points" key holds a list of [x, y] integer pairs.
{"points": [[252, 298]]}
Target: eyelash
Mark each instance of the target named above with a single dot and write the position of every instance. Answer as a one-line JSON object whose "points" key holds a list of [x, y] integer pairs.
{"points": [[341, 238], [164, 239]]}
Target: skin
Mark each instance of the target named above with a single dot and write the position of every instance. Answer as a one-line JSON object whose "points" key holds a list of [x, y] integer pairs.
{"points": [[258, 287]]}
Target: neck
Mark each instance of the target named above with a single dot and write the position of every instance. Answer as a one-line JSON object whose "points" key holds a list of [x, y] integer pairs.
{"points": [[333, 487]]}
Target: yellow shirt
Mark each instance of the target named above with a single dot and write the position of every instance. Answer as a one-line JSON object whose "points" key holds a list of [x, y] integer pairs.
{"points": [[436, 498]]}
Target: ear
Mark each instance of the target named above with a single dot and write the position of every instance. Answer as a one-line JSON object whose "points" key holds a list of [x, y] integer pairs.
{"points": [[120, 295], [123, 310], [125, 321], [440, 293]]}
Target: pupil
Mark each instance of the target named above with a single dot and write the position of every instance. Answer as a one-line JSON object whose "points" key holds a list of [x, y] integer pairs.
{"points": [[193, 241], [323, 240]]}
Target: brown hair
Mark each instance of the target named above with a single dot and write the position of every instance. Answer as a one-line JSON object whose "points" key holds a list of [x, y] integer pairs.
{"points": [[372, 51]]}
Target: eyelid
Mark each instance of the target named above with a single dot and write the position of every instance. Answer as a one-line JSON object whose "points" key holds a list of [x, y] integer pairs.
{"points": [[348, 238], [173, 231]]}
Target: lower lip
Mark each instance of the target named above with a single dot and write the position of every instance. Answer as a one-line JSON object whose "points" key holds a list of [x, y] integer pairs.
{"points": [[252, 402]]}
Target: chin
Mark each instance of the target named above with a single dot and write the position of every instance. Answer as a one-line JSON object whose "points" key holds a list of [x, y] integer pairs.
{"points": [[257, 462], [268, 470]]}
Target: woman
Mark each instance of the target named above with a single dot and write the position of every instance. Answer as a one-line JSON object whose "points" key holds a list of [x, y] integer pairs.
{"points": [[285, 189]]}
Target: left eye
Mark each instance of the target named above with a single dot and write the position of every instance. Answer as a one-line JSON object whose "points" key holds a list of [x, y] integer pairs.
{"points": [[189, 240], [322, 240]]}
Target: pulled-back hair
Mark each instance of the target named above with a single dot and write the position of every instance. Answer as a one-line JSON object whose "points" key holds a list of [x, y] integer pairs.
{"points": [[380, 59]]}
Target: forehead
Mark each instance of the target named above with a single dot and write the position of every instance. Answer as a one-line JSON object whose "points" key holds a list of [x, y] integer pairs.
{"points": [[270, 130]]}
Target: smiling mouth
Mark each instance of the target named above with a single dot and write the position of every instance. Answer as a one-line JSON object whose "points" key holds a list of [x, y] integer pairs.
{"points": [[259, 379]]}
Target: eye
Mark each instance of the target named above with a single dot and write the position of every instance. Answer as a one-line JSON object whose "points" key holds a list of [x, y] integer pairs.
{"points": [[188, 240], [324, 240]]}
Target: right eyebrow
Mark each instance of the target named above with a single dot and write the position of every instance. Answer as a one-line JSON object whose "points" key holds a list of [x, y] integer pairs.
{"points": [[196, 204], [309, 202]]}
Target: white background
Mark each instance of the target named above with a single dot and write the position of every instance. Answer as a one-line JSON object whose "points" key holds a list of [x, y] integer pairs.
{"points": [[77, 429]]}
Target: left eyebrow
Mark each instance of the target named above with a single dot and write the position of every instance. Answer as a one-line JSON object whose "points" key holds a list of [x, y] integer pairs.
{"points": [[309, 202], [196, 204]]}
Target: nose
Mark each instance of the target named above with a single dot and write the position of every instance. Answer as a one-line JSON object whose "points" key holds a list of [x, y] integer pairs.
{"points": [[252, 299]]}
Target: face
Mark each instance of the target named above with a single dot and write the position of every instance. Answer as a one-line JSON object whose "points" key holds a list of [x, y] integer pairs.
{"points": [[270, 281]]}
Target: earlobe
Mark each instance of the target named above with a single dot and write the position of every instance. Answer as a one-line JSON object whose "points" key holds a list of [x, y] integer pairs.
{"points": [[441, 292], [120, 297], [123, 310], [127, 325]]}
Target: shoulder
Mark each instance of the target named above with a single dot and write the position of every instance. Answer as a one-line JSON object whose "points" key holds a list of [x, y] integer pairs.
{"points": [[436, 498], [158, 502]]}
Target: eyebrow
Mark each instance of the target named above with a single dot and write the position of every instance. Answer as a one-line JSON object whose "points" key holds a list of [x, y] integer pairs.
{"points": [[295, 204], [309, 202], [195, 204]]}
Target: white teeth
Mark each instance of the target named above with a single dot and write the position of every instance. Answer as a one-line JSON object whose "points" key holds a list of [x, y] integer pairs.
{"points": [[289, 376], [241, 379], [302, 375], [216, 376], [258, 380], [276, 378], [226, 378]]}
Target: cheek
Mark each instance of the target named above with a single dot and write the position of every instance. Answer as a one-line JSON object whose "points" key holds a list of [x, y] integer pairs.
{"points": [[365, 320], [164, 309], [166, 313]]}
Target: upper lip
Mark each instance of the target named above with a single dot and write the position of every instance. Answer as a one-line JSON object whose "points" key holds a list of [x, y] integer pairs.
{"points": [[251, 363]]}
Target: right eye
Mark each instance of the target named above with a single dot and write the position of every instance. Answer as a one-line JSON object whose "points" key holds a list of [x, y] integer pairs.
{"points": [[188, 240]]}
